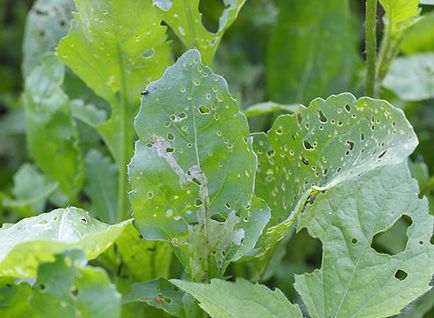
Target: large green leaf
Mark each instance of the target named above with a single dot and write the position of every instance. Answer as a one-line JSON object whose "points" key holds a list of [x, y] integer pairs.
{"points": [[193, 171], [52, 136], [47, 22], [14, 299], [240, 299], [412, 77], [101, 186], [312, 50], [355, 280], [399, 15], [116, 47], [321, 146], [30, 192], [420, 38], [33, 240], [67, 288], [186, 22]]}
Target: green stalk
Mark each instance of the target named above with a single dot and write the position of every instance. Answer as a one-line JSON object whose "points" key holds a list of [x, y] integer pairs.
{"points": [[371, 88]]}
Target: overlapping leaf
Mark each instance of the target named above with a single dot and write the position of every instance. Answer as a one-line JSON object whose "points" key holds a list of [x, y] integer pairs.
{"points": [[222, 299], [302, 62], [34, 240], [52, 136], [186, 21], [116, 47], [355, 280], [420, 38], [193, 171], [322, 146]]}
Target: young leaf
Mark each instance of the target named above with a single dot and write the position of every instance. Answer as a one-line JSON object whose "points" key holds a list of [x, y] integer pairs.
{"points": [[34, 240], [412, 77], [31, 190], [101, 186], [321, 146], [67, 288], [312, 50], [420, 38], [355, 280], [55, 147], [399, 15], [47, 22], [116, 47], [193, 171], [158, 293], [186, 21], [222, 299]]}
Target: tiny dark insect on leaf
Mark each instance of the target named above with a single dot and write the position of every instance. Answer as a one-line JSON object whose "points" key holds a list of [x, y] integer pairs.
{"points": [[145, 92]]}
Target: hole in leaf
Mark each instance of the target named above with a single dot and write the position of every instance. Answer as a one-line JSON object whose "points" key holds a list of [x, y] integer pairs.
{"points": [[400, 274], [149, 53], [305, 161], [198, 202], [170, 137], [382, 154], [170, 150], [203, 110], [304, 250], [74, 291], [219, 218], [42, 287], [362, 136], [307, 145], [211, 10], [394, 239], [354, 240], [299, 118], [350, 144], [196, 181], [348, 108], [84, 220], [322, 117]]}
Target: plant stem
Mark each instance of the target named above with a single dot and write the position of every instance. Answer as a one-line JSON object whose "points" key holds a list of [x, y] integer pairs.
{"points": [[371, 47]]}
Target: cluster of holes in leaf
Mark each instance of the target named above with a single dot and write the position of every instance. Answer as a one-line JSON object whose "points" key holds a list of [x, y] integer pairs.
{"points": [[321, 166]]}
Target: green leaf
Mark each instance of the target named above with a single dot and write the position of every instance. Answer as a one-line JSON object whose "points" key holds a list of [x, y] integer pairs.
{"points": [[145, 260], [55, 147], [420, 307], [399, 15], [67, 288], [420, 38], [267, 108], [88, 114], [312, 50], [345, 219], [101, 186], [412, 77], [186, 22], [36, 239], [47, 22], [157, 293], [192, 175], [222, 299], [128, 37], [30, 192], [14, 299], [321, 146]]}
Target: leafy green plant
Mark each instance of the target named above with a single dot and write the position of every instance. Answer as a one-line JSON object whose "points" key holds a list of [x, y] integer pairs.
{"points": [[192, 204]]}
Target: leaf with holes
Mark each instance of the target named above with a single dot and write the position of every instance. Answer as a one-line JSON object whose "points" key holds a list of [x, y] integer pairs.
{"points": [[222, 299], [321, 146], [36, 239], [354, 279], [67, 287], [193, 171], [47, 106], [186, 22]]}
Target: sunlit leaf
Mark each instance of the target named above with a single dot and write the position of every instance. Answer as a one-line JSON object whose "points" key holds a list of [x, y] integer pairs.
{"points": [[33, 240], [321, 146], [267, 108], [345, 219], [193, 171], [420, 38]]}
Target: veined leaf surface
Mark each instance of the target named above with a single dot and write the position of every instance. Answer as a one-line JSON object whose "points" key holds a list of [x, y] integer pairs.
{"points": [[240, 299], [321, 146], [36, 239], [193, 171], [355, 280]]}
